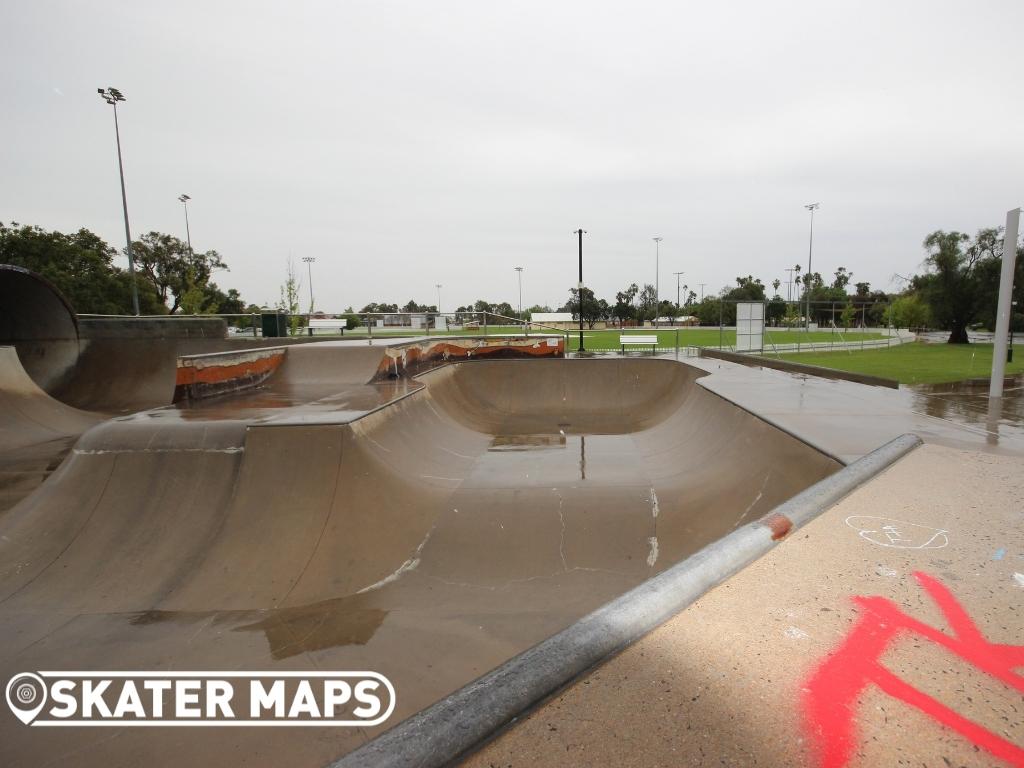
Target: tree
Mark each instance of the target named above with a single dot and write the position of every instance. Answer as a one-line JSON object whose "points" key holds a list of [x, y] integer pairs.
{"points": [[848, 315], [290, 299], [624, 309], [80, 265], [593, 310], [908, 311], [952, 286], [842, 279], [169, 265], [646, 300]]}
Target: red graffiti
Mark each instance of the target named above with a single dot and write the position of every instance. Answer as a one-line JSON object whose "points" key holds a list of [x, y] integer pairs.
{"points": [[830, 696]]}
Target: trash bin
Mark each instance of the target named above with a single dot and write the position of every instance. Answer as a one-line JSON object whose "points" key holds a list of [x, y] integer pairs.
{"points": [[274, 324]]}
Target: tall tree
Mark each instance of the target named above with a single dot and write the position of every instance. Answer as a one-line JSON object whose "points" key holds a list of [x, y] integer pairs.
{"points": [[80, 265], [952, 286], [169, 265]]}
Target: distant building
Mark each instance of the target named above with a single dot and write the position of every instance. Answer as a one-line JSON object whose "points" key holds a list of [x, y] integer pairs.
{"points": [[555, 319]]}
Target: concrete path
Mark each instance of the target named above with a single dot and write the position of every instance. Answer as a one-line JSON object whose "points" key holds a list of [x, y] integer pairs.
{"points": [[780, 666]]}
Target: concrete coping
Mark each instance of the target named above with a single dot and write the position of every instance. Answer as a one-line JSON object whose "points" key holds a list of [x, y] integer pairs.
{"points": [[465, 719]]}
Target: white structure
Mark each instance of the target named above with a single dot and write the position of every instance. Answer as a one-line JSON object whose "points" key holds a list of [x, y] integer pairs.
{"points": [[556, 319], [750, 326], [995, 387]]}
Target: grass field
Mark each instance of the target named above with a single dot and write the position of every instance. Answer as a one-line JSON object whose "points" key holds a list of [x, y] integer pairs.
{"points": [[603, 340], [916, 363]]}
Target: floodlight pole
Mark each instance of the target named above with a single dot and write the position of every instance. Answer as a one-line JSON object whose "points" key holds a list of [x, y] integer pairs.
{"points": [[1005, 307], [580, 232], [702, 292], [812, 207], [309, 265], [439, 287], [657, 278], [520, 271], [677, 274], [188, 234], [112, 96]]}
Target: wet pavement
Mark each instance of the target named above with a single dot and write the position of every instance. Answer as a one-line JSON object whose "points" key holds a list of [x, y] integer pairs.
{"points": [[883, 633], [968, 403], [302, 527]]}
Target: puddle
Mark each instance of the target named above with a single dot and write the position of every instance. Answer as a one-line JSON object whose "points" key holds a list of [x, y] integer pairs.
{"points": [[967, 402], [527, 442]]}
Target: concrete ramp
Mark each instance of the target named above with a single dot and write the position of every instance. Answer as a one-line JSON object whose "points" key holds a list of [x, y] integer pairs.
{"points": [[36, 431], [429, 539]]}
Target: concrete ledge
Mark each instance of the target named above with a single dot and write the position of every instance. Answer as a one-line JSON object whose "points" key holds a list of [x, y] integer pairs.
{"points": [[170, 327], [791, 367], [458, 723], [208, 375]]}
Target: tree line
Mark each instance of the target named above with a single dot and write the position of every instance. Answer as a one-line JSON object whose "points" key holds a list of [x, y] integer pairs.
{"points": [[169, 277], [955, 290]]}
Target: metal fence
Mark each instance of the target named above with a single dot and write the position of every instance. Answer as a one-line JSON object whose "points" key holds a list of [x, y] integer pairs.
{"points": [[842, 329]]}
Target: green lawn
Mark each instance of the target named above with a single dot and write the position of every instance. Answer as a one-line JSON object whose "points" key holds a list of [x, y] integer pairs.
{"points": [[602, 340], [916, 363]]}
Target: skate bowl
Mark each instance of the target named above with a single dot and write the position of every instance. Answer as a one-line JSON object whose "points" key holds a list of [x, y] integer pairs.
{"points": [[429, 529]]}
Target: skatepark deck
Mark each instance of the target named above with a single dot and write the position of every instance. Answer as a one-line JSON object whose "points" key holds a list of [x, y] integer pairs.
{"points": [[428, 529]]}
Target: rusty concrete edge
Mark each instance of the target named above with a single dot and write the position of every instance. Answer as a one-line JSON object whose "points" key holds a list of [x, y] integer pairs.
{"points": [[465, 719]]}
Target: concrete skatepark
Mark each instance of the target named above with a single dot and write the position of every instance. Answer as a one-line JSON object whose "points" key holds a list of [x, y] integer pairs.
{"points": [[435, 510]]}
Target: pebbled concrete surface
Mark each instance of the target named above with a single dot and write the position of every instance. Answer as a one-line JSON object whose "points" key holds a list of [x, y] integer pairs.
{"points": [[723, 682]]}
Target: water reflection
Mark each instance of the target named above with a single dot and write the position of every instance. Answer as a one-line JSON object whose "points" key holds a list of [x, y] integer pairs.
{"points": [[349, 620], [968, 403]]}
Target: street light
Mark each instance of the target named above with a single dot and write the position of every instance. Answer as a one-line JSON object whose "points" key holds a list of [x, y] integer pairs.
{"points": [[309, 265], [677, 274], [188, 234], [812, 207], [439, 287], [112, 96], [657, 277], [702, 292], [520, 271], [581, 232]]}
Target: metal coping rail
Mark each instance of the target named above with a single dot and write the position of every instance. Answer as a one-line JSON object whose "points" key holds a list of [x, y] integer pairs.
{"points": [[465, 719]]}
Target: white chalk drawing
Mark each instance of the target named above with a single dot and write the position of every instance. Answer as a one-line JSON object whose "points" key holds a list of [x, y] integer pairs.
{"points": [[898, 534]]}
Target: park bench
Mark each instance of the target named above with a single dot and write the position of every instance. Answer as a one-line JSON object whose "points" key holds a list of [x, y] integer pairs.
{"points": [[636, 340], [327, 325]]}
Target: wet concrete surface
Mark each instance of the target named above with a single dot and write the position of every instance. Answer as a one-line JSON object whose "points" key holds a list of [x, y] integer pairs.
{"points": [[849, 420], [488, 505], [968, 403], [766, 669]]}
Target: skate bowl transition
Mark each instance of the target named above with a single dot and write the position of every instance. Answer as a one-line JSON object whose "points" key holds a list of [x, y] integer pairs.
{"points": [[427, 529], [362, 509]]}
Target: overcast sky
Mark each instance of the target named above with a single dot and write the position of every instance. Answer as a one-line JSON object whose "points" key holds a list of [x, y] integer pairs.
{"points": [[405, 144]]}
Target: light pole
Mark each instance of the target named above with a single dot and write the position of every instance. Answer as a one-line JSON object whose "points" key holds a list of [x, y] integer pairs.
{"points": [[581, 232], [309, 265], [112, 96], [188, 234], [789, 285], [439, 287], [657, 278], [702, 292], [812, 207], [520, 271], [677, 274]]}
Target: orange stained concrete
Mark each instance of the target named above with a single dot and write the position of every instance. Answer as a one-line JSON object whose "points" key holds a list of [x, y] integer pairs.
{"points": [[723, 682]]}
